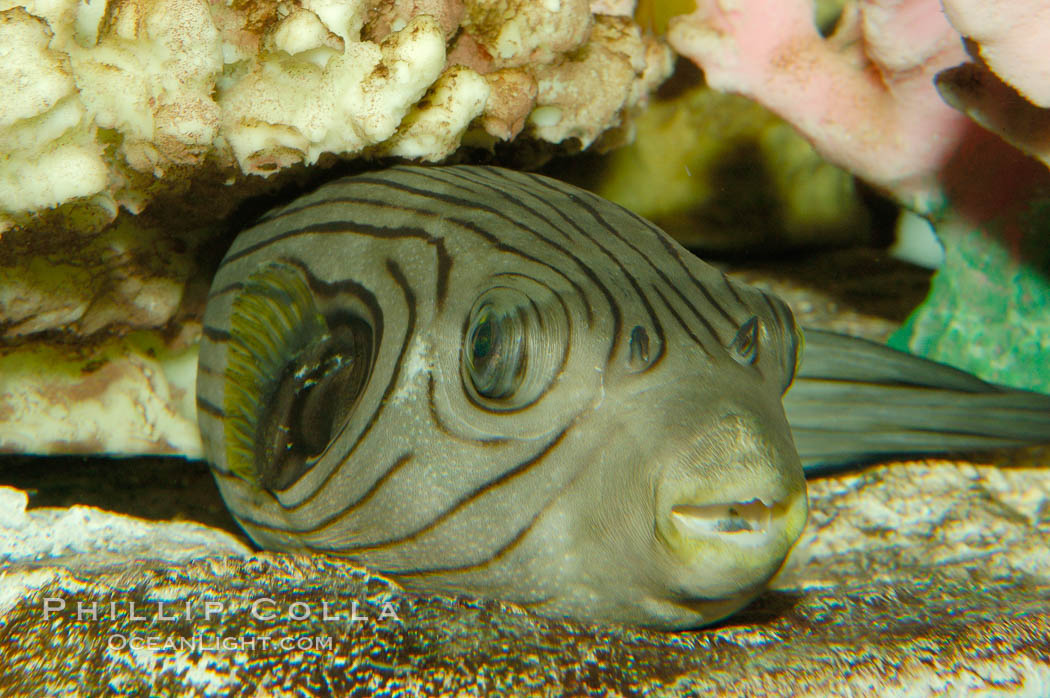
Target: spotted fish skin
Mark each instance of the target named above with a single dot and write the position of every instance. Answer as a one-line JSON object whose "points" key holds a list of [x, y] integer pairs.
{"points": [[490, 382]]}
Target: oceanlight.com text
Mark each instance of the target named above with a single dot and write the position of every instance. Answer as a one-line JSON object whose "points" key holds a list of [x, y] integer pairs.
{"points": [[201, 643]]}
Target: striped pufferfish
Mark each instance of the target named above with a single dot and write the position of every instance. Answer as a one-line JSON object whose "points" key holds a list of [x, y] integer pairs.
{"points": [[483, 381]]}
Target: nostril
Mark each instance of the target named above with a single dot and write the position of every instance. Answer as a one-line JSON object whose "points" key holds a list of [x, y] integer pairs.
{"points": [[723, 518]]}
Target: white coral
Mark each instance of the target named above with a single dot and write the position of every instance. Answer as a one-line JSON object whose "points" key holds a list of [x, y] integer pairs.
{"points": [[519, 32], [434, 128], [149, 77], [290, 109], [50, 152], [168, 88], [614, 72], [108, 96]]}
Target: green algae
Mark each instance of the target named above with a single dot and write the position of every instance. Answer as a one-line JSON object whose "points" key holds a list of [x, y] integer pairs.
{"points": [[988, 312]]}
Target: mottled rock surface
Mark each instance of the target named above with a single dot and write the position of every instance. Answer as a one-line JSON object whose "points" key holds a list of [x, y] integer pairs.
{"points": [[912, 579], [827, 642], [84, 536]]}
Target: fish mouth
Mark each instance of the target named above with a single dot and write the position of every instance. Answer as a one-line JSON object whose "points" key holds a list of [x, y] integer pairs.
{"points": [[729, 507], [729, 549], [742, 522], [724, 517]]}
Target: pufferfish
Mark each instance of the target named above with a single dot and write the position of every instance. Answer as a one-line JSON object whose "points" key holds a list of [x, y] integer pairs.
{"points": [[488, 382]]}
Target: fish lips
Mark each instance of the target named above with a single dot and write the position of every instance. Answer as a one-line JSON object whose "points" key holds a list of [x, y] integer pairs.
{"points": [[728, 510]]}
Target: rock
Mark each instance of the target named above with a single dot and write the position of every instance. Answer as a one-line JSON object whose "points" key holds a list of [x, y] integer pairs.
{"points": [[82, 536], [916, 579], [126, 395]]}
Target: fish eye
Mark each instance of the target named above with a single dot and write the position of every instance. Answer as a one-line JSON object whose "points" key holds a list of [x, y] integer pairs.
{"points": [[639, 345], [495, 347], [514, 345], [798, 346], [744, 347], [296, 370]]}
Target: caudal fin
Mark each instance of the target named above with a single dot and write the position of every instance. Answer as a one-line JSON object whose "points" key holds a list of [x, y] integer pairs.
{"points": [[854, 401]]}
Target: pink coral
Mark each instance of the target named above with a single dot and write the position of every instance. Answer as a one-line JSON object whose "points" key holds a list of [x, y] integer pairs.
{"points": [[864, 97], [1007, 88], [867, 97], [1013, 38]]}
